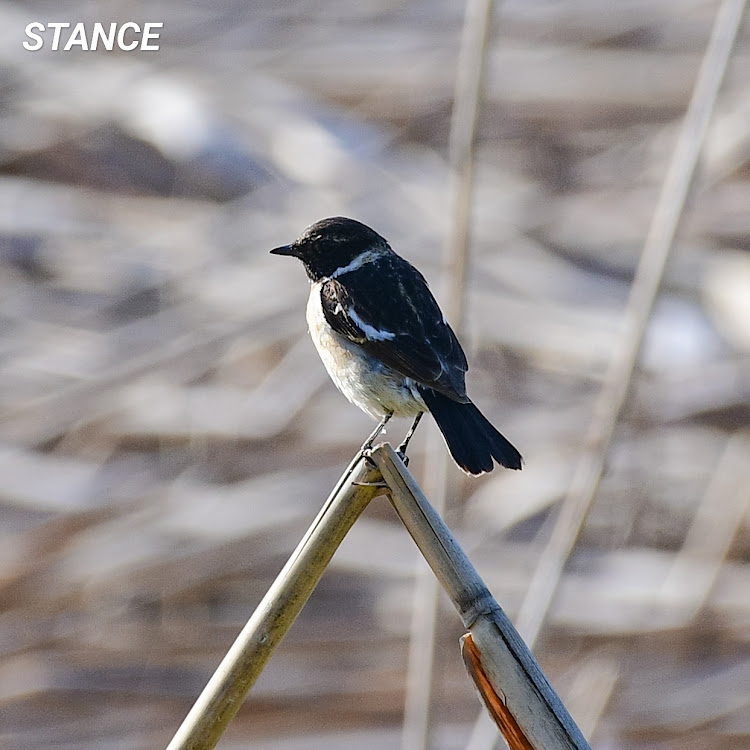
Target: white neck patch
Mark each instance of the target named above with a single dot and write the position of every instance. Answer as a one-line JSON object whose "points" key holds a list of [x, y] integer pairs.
{"points": [[368, 256]]}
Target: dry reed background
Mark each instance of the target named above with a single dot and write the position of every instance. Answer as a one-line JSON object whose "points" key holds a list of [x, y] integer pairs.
{"points": [[166, 428]]}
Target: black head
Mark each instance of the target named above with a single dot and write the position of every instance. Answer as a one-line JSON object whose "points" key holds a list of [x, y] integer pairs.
{"points": [[332, 243]]}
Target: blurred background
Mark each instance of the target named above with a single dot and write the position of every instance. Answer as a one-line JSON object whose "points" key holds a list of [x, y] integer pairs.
{"points": [[167, 431]]}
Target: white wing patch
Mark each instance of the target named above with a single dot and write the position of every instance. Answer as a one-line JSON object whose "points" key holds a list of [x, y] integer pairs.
{"points": [[373, 334]]}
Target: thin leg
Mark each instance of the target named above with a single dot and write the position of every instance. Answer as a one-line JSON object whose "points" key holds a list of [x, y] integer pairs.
{"points": [[370, 440], [405, 444], [363, 453]]}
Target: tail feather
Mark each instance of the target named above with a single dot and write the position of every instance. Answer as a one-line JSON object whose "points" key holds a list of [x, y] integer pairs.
{"points": [[471, 439]]}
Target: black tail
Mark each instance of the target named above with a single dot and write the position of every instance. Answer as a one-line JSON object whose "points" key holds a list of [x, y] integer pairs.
{"points": [[471, 439]]}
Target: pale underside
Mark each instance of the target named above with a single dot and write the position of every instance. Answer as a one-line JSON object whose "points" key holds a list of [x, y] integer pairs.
{"points": [[364, 380]]}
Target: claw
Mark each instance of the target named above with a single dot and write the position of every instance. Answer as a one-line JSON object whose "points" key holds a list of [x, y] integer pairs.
{"points": [[367, 455], [402, 455]]}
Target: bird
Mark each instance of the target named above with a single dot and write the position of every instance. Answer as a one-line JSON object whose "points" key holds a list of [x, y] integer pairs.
{"points": [[387, 345]]}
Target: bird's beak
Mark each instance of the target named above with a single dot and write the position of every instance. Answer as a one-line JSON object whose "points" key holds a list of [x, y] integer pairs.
{"points": [[285, 250]]}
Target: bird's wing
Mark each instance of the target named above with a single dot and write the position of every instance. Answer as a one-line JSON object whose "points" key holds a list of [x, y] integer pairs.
{"points": [[387, 308]]}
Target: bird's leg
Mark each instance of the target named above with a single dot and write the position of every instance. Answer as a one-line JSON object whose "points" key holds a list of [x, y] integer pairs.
{"points": [[401, 450], [364, 451], [370, 440]]}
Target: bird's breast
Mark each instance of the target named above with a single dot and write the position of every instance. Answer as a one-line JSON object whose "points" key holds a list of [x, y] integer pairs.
{"points": [[363, 379]]}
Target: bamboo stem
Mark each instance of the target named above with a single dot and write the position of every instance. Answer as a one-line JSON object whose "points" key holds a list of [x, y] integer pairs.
{"points": [[532, 713], [226, 690], [506, 673]]}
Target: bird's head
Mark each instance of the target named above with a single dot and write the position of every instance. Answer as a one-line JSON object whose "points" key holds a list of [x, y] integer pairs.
{"points": [[330, 245]]}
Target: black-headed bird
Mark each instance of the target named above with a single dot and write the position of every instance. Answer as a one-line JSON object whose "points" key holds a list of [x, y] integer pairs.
{"points": [[385, 342]]}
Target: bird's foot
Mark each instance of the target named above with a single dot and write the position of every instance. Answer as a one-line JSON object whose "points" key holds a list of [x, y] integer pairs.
{"points": [[401, 453], [367, 456]]}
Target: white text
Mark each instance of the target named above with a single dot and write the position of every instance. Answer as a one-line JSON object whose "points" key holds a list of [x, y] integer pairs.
{"points": [[127, 37]]}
